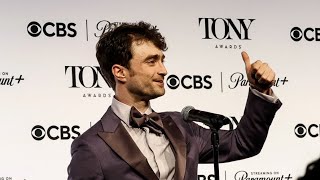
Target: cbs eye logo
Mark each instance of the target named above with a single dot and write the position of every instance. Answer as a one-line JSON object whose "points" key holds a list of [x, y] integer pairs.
{"points": [[309, 34], [173, 82], [301, 130], [55, 132], [296, 34], [38, 132], [189, 82], [51, 29]]}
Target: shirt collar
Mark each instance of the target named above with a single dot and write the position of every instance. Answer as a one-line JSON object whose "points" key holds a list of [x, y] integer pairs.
{"points": [[123, 110]]}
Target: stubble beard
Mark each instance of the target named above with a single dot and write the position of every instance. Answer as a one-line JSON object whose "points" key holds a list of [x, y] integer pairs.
{"points": [[139, 92], [137, 89]]}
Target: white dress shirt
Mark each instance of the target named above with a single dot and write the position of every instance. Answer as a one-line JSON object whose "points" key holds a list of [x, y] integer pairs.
{"points": [[155, 148]]}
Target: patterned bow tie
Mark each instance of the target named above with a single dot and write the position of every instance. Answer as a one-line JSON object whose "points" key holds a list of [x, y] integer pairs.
{"points": [[152, 121]]}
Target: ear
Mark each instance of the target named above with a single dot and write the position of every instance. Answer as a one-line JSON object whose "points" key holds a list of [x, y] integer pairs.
{"points": [[119, 73]]}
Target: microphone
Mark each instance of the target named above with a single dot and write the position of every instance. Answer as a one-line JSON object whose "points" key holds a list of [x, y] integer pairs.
{"points": [[212, 120]]}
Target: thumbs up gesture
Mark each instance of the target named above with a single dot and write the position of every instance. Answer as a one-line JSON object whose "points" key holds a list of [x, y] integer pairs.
{"points": [[260, 75]]}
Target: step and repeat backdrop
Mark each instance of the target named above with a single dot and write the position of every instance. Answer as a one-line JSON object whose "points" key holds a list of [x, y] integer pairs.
{"points": [[51, 88]]}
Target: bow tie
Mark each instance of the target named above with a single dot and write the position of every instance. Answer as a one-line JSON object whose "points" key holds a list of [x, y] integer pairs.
{"points": [[152, 121]]}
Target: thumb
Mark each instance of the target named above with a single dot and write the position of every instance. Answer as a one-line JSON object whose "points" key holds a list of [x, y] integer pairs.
{"points": [[246, 60]]}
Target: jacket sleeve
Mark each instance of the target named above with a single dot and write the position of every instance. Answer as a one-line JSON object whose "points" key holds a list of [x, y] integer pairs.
{"points": [[247, 139], [84, 164]]}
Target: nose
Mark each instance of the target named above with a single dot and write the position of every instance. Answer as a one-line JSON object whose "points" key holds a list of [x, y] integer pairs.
{"points": [[162, 69]]}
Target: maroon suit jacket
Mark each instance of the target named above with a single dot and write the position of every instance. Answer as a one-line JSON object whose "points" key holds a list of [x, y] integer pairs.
{"points": [[106, 150]]}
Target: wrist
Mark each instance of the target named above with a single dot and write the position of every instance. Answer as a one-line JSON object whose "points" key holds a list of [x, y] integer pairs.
{"points": [[267, 91]]}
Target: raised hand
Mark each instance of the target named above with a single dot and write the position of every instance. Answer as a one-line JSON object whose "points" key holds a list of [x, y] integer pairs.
{"points": [[260, 75]]}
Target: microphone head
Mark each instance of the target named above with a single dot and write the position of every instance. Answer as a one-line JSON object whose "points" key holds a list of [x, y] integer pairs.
{"points": [[185, 112]]}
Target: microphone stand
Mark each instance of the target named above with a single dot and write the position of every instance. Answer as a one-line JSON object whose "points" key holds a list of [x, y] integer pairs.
{"points": [[215, 144], [216, 124]]}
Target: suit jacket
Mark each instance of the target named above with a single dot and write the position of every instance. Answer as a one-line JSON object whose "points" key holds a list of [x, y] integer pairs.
{"points": [[106, 150]]}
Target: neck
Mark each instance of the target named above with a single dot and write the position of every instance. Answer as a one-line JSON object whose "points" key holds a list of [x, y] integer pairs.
{"points": [[131, 100]]}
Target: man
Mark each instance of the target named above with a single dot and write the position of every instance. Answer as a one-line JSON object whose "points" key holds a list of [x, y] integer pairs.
{"points": [[125, 144]]}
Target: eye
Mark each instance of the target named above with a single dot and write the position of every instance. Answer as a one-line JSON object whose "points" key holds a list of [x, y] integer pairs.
{"points": [[38, 132], [151, 61]]}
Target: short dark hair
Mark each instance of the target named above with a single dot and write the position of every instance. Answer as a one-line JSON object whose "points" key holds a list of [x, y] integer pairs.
{"points": [[114, 46]]}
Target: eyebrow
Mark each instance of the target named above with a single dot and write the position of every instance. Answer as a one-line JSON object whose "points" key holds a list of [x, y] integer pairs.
{"points": [[155, 56]]}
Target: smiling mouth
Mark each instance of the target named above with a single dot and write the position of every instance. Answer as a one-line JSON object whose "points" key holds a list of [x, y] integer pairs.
{"points": [[159, 82]]}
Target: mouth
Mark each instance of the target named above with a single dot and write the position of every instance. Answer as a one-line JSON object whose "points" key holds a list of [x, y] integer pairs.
{"points": [[159, 82]]}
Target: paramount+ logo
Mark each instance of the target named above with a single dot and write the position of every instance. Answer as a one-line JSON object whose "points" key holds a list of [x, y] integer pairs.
{"points": [[52, 29], [189, 82], [54, 132], [312, 130]]}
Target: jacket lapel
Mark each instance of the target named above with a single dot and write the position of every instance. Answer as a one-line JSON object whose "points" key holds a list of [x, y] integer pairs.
{"points": [[178, 143], [117, 137]]}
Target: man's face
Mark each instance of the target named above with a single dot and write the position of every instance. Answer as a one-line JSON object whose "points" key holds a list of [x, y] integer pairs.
{"points": [[146, 72]]}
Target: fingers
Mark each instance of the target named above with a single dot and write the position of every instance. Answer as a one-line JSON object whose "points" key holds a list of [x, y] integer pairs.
{"points": [[263, 74], [255, 67], [246, 60], [260, 74], [245, 57]]}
